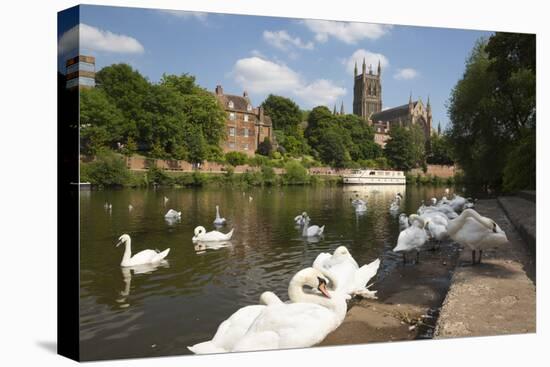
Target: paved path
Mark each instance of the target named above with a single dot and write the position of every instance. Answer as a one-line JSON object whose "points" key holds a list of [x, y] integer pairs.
{"points": [[498, 296]]}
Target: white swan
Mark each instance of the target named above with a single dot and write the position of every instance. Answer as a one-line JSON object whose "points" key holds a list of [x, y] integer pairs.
{"points": [[304, 322], [300, 219], [172, 214], [165, 200], [357, 202], [394, 206], [412, 238], [311, 231], [345, 275], [142, 257], [219, 221], [476, 232], [130, 207], [445, 209], [403, 221], [202, 236], [360, 208]]}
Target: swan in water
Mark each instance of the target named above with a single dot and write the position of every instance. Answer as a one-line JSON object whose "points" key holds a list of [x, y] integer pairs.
{"points": [[130, 207], [403, 221], [476, 232], [360, 208], [300, 219], [219, 221], [172, 214], [304, 322], [394, 206], [142, 257], [412, 238], [165, 200], [311, 231], [345, 275], [357, 202], [250, 198], [202, 236]]}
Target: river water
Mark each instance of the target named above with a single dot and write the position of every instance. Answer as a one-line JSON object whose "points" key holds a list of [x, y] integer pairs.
{"points": [[148, 311]]}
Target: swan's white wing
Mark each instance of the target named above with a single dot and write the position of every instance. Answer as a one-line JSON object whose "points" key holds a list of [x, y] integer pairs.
{"points": [[230, 331], [294, 325], [366, 273], [321, 260], [143, 257], [160, 256], [410, 239]]}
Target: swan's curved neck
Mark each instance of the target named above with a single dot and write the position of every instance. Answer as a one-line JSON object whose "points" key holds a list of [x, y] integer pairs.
{"points": [[455, 224], [127, 251], [337, 304], [306, 225]]}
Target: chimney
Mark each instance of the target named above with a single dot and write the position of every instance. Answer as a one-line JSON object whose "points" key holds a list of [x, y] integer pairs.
{"points": [[245, 94], [219, 90]]}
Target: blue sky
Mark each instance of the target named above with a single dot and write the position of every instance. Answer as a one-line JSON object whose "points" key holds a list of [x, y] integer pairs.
{"points": [[309, 61]]}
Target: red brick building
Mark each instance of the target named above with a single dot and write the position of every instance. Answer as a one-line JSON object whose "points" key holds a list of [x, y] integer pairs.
{"points": [[247, 126]]}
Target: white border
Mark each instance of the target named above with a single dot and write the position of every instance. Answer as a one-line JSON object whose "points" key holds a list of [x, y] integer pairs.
{"points": [[28, 179]]}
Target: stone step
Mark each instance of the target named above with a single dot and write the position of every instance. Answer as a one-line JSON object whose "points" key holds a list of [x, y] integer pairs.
{"points": [[522, 214], [528, 195]]}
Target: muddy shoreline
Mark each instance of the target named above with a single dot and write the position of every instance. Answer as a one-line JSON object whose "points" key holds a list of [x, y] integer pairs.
{"points": [[409, 300]]}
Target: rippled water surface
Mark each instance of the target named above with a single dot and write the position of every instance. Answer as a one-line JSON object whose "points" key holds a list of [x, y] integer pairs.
{"points": [[160, 311]]}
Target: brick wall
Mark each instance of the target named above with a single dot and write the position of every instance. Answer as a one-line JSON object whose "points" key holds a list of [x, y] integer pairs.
{"points": [[436, 170]]}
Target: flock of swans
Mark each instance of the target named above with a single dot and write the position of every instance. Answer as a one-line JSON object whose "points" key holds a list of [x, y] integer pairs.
{"points": [[318, 294]]}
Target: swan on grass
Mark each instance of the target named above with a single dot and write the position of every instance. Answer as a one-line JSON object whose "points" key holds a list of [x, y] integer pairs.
{"points": [[299, 220], [311, 231], [345, 275], [172, 214], [202, 236], [142, 257], [219, 221], [476, 232], [304, 322], [412, 238]]}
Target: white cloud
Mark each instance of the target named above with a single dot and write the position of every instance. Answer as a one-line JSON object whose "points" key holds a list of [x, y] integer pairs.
{"points": [[186, 14], [97, 40], [371, 58], [259, 75], [406, 74], [284, 41], [348, 32], [320, 92]]}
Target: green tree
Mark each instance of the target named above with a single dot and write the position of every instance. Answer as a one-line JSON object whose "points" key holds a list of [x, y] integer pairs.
{"points": [[399, 149], [295, 173], [493, 106], [236, 158], [285, 113], [332, 149], [441, 152], [108, 169]]}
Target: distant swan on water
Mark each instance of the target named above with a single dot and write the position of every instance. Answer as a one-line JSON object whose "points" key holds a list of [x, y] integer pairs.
{"points": [[311, 231], [202, 236], [219, 221]]}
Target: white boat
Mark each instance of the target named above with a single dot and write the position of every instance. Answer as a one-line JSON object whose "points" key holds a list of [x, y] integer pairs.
{"points": [[375, 177]]}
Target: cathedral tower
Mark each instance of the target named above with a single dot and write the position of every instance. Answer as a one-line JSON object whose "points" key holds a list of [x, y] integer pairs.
{"points": [[367, 91]]}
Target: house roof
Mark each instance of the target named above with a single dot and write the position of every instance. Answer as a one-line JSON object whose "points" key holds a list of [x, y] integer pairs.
{"points": [[392, 113], [239, 103]]}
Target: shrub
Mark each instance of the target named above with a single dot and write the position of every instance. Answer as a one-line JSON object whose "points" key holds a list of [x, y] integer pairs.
{"points": [[236, 158], [295, 173], [521, 165], [265, 147], [157, 176], [268, 175], [108, 169]]}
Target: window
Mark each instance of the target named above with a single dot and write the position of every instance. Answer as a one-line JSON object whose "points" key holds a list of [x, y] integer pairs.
{"points": [[246, 133], [232, 145], [232, 116], [245, 118], [249, 108], [379, 129], [230, 104], [231, 131], [245, 147]]}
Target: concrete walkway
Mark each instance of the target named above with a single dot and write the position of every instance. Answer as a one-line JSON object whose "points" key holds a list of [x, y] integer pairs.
{"points": [[499, 296]]}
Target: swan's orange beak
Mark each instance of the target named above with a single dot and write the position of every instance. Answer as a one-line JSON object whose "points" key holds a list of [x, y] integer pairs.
{"points": [[323, 289]]}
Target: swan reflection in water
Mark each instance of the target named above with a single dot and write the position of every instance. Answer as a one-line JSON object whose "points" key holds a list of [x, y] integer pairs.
{"points": [[202, 246], [127, 278]]}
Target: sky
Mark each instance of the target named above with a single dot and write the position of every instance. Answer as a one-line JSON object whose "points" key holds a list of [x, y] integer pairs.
{"points": [[309, 61]]}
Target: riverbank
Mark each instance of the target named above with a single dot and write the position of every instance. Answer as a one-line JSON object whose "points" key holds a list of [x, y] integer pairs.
{"points": [[499, 296], [444, 296]]}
